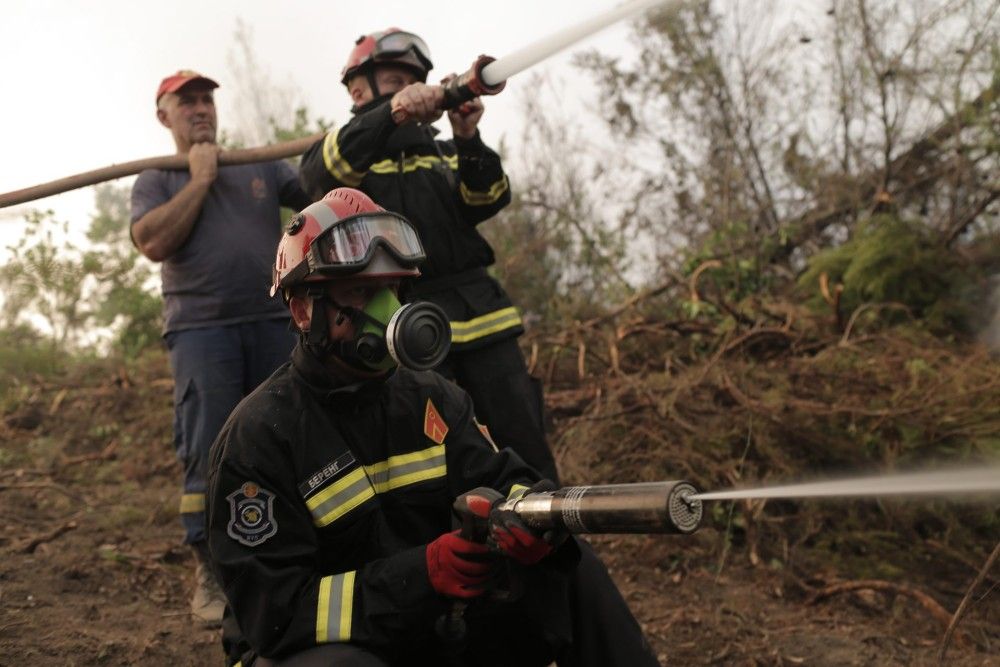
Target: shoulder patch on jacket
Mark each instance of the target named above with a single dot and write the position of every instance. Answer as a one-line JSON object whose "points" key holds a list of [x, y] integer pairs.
{"points": [[486, 434], [434, 426], [251, 515]]}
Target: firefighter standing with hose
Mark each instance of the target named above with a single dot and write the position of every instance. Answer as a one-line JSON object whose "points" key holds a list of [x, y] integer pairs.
{"points": [[445, 188], [331, 487]]}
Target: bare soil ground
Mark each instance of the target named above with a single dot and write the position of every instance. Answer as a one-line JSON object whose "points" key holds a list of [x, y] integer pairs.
{"points": [[92, 571]]}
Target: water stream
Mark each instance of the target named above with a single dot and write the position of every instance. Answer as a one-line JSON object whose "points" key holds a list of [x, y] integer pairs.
{"points": [[979, 480]]}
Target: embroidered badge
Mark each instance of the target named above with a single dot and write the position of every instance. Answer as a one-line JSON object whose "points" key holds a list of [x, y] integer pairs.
{"points": [[258, 187], [434, 426], [486, 434], [251, 515]]}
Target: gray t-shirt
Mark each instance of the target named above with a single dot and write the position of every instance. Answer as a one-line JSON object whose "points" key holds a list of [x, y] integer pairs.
{"points": [[222, 273]]}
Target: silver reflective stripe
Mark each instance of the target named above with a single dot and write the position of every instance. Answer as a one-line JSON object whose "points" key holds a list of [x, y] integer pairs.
{"points": [[361, 484], [324, 215], [491, 196], [498, 320], [340, 497], [405, 469], [335, 163], [334, 608]]}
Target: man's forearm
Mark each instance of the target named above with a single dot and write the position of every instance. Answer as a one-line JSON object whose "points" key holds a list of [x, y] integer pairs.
{"points": [[159, 233]]}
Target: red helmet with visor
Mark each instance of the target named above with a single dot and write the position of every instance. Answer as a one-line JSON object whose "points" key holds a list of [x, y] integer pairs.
{"points": [[345, 234], [391, 46]]}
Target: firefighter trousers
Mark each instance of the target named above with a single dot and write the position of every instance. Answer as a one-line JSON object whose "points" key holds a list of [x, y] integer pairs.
{"points": [[605, 634]]}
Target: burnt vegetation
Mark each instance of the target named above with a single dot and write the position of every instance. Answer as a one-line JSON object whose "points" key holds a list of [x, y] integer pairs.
{"points": [[778, 263]]}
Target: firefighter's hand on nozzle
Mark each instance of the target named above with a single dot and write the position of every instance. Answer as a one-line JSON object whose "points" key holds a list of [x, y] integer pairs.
{"points": [[464, 118], [516, 539], [459, 568], [417, 102]]}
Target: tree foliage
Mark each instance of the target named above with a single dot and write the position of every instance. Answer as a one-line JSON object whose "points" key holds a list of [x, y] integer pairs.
{"points": [[779, 135], [556, 251], [46, 275], [63, 291], [126, 300], [894, 261]]}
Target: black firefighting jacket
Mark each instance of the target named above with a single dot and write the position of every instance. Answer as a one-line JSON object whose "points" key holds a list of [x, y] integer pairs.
{"points": [[322, 499], [445, 188]]}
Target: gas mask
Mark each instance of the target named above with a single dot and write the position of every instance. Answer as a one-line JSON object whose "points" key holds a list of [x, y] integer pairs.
{"points": [[415, 335]]}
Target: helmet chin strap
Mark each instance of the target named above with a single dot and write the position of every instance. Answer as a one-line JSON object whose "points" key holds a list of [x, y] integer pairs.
{"points": [[370, 75], [377, 97]]}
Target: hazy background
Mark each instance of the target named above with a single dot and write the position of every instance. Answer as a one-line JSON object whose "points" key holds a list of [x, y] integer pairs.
{"points": [[81, 78]]}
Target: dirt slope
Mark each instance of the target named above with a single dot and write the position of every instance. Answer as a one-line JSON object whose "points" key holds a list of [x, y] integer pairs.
{"points": [[92, 571]]}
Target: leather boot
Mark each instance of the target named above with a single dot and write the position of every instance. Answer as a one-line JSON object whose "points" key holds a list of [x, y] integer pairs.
{"points": [[208, 601]]}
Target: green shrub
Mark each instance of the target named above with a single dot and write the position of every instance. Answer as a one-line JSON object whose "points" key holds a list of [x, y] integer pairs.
{"points": [[893, 260]]}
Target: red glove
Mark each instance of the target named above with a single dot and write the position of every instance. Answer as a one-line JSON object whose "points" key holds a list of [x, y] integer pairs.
{"points": [[515, 539], [457, 567]]}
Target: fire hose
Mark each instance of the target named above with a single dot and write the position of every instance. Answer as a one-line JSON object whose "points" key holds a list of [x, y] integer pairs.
{"points": [[487, 76]]}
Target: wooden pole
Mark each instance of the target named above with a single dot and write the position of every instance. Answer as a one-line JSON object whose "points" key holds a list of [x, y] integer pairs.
{"points": [[241, 156]]}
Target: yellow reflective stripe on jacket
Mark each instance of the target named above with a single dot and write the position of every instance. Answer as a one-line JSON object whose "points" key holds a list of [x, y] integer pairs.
{"points": [[404, 469], [413, 163], [491, 196], [334, 608], [192, 503], [335, 163], [340, 497], [517, 492], [480, 327], [362, 483]]}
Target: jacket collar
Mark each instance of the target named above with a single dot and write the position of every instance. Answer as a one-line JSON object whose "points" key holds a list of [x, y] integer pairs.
{"points": [[332, 388]]}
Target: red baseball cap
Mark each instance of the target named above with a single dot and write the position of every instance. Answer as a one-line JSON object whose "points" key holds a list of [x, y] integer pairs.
{"points": [[183, 77]]}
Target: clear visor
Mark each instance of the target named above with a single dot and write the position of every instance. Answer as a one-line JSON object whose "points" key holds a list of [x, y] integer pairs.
{"points": [[398, 43], [351, 243]]}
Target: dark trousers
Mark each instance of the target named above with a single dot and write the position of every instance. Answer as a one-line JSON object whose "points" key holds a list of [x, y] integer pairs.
{"points": [[214, 368], [508, 401], [604, 634]]}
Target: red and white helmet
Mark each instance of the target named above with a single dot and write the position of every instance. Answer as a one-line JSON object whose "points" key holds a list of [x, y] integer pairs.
{"points": [[391, 46], [345, 234]]}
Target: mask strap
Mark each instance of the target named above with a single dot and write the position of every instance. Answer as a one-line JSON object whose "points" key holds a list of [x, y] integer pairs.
{"points": [[318, 336], [359, 352]]}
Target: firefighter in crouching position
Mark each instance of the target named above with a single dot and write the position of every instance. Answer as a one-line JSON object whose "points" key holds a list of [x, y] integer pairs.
{"points": [[446, 188], [332, 485]]}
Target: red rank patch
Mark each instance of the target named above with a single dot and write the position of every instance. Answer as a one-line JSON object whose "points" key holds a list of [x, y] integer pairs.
{"points": [[434, 426], [486, 433]]}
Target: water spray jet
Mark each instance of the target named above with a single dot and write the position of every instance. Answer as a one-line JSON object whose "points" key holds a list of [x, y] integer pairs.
{"points": [[942, 483]]}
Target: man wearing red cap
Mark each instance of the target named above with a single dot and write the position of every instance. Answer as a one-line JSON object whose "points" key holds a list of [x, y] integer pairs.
{"points": [[213, 230]]}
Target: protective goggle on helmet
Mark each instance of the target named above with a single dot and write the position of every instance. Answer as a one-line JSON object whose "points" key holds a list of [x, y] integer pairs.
{"points": [[346, 234], [392, 46]]}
